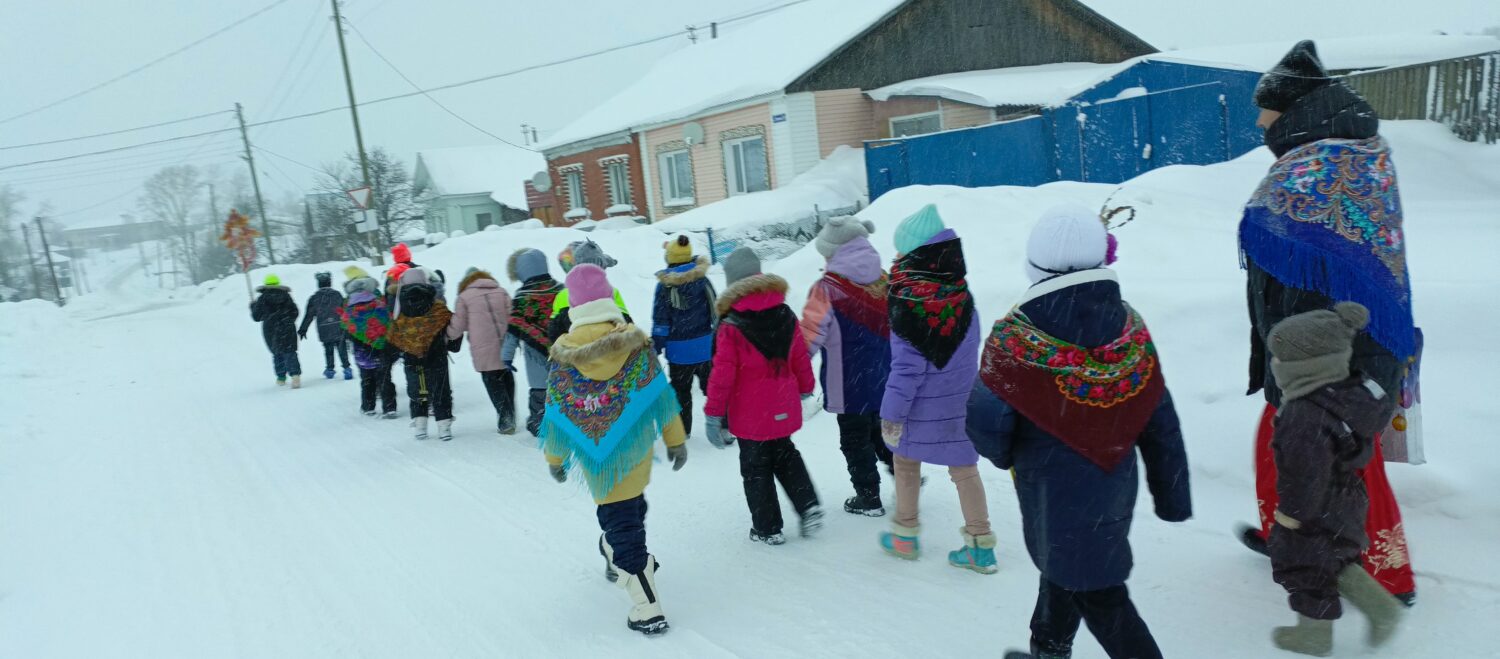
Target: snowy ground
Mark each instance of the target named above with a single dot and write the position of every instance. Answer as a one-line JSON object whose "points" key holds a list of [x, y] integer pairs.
{"points": [[162, 498]]}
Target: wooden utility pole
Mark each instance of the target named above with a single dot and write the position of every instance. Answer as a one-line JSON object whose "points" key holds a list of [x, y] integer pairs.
{"points": [[52, 269], [36, 282], [260, 204], [359, 138]]}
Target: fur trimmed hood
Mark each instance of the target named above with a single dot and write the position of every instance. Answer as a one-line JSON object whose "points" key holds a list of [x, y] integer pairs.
{"points": [[762, 283], [474, 276], [590, 348], [673, 277]]}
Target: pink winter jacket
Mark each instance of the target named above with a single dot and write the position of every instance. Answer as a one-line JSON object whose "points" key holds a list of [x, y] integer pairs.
{"points": [[761, 402], [483, 310]]}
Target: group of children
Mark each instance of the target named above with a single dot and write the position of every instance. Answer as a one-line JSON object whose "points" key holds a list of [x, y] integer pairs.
{"points": [[1064, 393]]}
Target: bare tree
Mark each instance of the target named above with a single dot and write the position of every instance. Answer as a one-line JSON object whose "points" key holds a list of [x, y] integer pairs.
{"points": [[12, 252], [395, 208], [174, 196]]}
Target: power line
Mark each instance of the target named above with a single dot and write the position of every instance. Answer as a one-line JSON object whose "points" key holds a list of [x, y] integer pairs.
{"points": [[115, 132], [286, 92], [126, 192], [429, 97], [129, 158], [310, 168], [145, 66], [90, 173]]}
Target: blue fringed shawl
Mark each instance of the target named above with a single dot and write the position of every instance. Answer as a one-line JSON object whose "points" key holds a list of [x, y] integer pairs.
{"points": [[1327, 218]]}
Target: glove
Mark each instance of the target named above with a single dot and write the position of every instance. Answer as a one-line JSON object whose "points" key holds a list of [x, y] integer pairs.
{"points": [[890, 431], [302, 334], [718, 435], [659, 344], [807, 395], [559, 473], [678, 455], [510, 367]]}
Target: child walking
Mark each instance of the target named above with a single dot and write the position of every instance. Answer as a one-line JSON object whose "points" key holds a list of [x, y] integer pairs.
{"points": [[1325, 434], [324, 307], [530, 315], [607, 403], [367, 323], [277, 315], [683, 322], [419, 333], [761, 372], [483, 311], [1069, 388], [846, 319], [934, 357]]}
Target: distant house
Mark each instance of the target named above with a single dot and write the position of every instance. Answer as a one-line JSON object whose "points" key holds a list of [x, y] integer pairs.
{"points": [[470, 188], [111, 235], [763, 100]]}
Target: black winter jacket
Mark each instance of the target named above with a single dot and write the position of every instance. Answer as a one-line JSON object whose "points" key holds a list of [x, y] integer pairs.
{"points": [[323, 306], [277, 315]]}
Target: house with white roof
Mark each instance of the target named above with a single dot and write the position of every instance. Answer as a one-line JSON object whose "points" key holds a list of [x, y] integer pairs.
{"points": [[756, 102], [473, 187]]}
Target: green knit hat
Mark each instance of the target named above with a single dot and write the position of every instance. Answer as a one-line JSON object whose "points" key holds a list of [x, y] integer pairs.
{"points": [[273, 280], [916, 230]]}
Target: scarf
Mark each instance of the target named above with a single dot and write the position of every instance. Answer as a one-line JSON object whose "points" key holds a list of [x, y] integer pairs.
{"points": [[531, 313], [862, 305], [414, 334], [608, 426], [769, 331], [368, 322], [1327, 218], [929, 300], [1097, 401]]}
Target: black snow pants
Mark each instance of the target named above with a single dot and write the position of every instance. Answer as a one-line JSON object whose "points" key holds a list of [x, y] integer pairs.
{"points": [[681, 376], [501, 386], [536, 406], [862, 445], [762, 465], [428, 390], [342, 347], [376, 382], [624, 526], [1110, 615]]}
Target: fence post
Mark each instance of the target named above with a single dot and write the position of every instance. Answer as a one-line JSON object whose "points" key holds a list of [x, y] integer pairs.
{"points": [[713, 252]]}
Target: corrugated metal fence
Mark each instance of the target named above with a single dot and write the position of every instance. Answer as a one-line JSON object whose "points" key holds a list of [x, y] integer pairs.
{"points": [[1463, 94]]}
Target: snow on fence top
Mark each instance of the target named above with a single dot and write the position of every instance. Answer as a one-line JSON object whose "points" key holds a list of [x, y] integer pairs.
{"points": [[749, 59], [500, 171], [1047, 84], [1342, 53]]}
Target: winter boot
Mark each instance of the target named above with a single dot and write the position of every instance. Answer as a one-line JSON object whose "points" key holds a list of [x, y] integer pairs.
{"points": [[507, 427], [536, 400], [978, 553], [901, 542], [393, 414], [812, 521], [419, 427], [772, 539], [296, 382], [369, 412], [1253, 540], [281, 381], [645, 613], [608, 552], [1022, 654], [348, 373], [866, 501], [445, 430], [328, 373], [1371, 598], [1310, 637]]}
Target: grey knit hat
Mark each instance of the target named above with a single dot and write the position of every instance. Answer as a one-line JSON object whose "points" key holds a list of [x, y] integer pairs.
{"points": [[1313, 349], [740, 263], [591, 252], [840, 230], [526, 263]]}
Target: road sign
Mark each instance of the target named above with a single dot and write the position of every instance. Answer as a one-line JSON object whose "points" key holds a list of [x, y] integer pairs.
{"points": [[360, 196], [366, 221]]}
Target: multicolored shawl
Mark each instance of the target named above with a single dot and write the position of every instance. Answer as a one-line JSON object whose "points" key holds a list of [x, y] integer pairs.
{"points": [[864, 305], [1097, 401], [1327, 218], [414, 334], [607, 427], [531, 313], [368, 322], [929, 301]]}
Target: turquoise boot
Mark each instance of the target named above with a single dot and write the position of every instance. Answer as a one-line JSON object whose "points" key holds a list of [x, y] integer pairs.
{"points": [[901, 542], [978, 554]]}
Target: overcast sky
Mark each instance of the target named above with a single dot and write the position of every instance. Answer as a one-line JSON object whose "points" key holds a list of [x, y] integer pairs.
{"points": [[285, 62]]}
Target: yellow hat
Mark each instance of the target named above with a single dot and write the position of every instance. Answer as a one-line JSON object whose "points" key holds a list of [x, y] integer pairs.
{"points": [[679, 250], [355, 272]]}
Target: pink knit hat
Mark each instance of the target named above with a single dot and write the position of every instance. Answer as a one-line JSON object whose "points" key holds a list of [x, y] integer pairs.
{"points": [[587, 283]]}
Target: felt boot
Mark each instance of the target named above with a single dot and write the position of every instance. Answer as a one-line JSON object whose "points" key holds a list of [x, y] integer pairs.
{"points": [[419, 427], [1310, 637], [1371, 598]]}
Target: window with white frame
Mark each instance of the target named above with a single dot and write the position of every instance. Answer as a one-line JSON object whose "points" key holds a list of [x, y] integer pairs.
{"points": [[916, 124], [573, 179], [745, 166], [676, 178], [618, 175]]}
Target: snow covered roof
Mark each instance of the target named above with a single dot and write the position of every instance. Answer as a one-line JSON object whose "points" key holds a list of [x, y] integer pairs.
{"points": [[1052, 84], [501, 171], [753, 58]]}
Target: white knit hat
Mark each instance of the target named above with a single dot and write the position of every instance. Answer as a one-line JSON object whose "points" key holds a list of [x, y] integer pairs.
{"points": [[1067, 238]]}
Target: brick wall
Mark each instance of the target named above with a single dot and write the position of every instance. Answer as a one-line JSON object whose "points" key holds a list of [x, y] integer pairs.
{"points": [[591, 165]]}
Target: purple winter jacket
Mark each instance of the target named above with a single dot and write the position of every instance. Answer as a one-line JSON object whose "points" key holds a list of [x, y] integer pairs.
{"points": [[856, 359], [933, 402]]}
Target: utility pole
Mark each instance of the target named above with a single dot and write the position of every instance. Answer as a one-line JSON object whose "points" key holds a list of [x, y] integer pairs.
{"points": [[50, 267], [265, 222], [359, 138], [36, 282]]}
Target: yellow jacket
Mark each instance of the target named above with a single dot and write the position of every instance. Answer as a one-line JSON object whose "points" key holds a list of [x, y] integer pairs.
{"points": [[599, 351]]}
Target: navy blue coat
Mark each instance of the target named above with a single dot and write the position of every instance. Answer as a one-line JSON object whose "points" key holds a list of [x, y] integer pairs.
{"points": [[1075, 515], [683, 318]]}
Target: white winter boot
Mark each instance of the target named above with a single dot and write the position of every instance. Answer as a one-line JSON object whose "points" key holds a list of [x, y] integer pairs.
{"points": [[445, 429], [608, 552], [419, 426], [645, 616], [296, 382]]}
